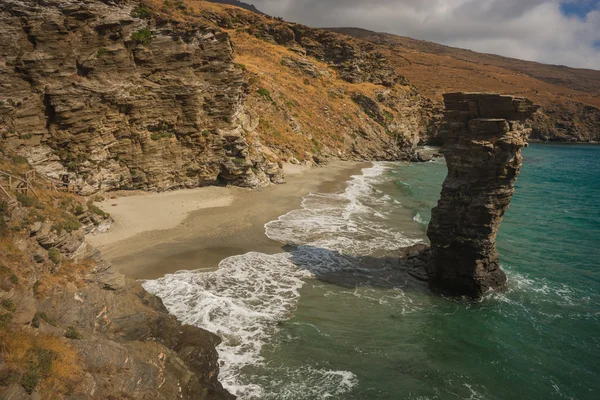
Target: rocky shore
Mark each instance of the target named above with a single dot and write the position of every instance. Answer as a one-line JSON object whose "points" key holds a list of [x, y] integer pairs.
{"points": [[74, 327]]}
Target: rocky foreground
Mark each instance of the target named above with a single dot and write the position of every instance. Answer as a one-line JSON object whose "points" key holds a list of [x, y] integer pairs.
{"points": [[72, 326]]}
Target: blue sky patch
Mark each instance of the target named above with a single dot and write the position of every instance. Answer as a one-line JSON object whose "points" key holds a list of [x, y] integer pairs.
{"points": [[579, 8]]}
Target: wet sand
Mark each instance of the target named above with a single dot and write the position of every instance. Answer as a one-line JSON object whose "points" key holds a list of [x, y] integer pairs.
{"points": [[158, 234]]}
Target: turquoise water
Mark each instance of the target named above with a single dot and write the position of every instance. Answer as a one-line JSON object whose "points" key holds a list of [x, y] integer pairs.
{"points": [[336, 318]]}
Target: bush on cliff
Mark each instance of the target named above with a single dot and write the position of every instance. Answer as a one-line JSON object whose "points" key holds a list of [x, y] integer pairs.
{"points": [[54, 255], [142, 36], [141, 12]]}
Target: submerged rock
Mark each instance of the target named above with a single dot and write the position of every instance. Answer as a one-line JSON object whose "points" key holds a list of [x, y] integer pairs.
{"points": [[483, 153]]}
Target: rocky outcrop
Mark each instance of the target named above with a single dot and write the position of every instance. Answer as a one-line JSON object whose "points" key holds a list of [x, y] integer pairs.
{"points": [[122, 101], [485, 134], [127, 346], [574, 122]]}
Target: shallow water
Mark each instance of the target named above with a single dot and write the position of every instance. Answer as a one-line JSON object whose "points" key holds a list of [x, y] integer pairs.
{"points": [[335, 317]]}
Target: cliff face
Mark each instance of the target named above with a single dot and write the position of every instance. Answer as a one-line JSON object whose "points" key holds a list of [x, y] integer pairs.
{"points": [[124, 101], [327, 95], [485, 134], [155, 96]]}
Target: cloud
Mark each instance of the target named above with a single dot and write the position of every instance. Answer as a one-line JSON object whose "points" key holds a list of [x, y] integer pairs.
{"points": [[537, 30]]}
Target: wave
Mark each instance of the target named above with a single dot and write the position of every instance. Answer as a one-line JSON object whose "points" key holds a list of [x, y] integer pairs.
{"points": [[419, 219], [249, 295]]}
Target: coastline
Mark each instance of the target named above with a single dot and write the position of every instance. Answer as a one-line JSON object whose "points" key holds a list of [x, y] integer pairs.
{"points": [[161, 233]]}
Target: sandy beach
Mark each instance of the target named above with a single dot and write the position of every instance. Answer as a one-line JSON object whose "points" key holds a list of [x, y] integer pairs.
{"points": [[159, 233]]}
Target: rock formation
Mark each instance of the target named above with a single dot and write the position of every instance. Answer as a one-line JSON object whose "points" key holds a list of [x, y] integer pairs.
{"points": [[485, 135]]}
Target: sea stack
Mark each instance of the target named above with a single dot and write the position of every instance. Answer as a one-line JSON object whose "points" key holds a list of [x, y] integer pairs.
{"points": [[485, 134]]}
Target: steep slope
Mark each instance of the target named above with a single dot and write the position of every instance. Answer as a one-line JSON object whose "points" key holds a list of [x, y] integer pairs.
{"points": [[570, 97], [101, 90], [71, 326]]}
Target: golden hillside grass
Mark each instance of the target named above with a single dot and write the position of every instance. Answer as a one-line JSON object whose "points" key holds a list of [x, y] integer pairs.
{"points": [[321, 106], [50, 361]]}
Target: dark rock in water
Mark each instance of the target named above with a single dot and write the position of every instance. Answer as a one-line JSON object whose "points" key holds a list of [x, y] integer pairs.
{"points": [[485, 135]]}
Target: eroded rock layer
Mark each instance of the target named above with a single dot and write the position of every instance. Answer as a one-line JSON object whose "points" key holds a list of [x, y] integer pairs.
{"points": [[122, 101], [483, 153]]}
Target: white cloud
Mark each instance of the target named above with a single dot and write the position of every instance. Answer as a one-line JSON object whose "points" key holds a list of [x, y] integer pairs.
{"points": [[526, 29]]}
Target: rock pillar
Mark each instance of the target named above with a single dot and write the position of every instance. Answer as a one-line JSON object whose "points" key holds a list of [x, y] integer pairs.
{"points": [[483, 154]]}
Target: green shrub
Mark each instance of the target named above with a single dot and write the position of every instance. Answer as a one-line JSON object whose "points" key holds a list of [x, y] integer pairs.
{"points": [[241, 66], [205, 133], [40, 315], [142, 36], [5, 320], [265, 94], [27, 201], [73, 333], [102, 51], [69, 223], [97, 210], [54, 255], [19, 160], [3, 213], [14, 279], [39, 366], [30, 380], [9, 305], [141, 12], [161, 135], [78, 209]]}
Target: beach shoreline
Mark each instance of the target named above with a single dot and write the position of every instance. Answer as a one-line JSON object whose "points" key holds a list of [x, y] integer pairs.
{"points": [[161, 233]]}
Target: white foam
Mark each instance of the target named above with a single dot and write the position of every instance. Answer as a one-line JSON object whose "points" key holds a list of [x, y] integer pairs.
{"points": [[419, 219], [352, 222], [241, 302]]}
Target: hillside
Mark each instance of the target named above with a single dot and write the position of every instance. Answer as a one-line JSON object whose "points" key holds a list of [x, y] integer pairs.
{"points": [[570, 96], [190, 93]]}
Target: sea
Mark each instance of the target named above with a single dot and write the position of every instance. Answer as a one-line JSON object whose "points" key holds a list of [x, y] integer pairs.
{"points": [[335, 317]]}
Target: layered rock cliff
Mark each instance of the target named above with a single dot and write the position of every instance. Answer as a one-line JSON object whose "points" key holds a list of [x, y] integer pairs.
{"points": [[483, 153], [122, 100]]}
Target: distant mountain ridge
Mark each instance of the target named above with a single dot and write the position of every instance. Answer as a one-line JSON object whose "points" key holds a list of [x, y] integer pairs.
{"points": [[570, 97], [587, 80]]}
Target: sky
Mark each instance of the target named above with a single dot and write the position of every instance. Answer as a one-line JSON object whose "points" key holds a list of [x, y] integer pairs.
{"points": [[564, 32]]}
